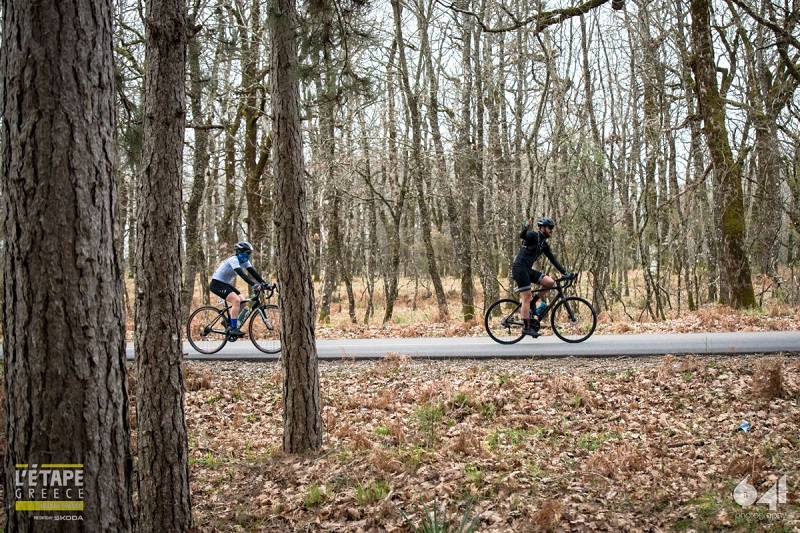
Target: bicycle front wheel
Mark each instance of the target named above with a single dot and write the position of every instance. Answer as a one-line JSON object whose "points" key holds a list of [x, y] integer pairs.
{"points": [[205, 330], [265, 329], [573, 319], [503, 321]]}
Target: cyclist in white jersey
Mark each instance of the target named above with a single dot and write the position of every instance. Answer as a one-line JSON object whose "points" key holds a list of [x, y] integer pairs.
{"points": [[223, 278]]}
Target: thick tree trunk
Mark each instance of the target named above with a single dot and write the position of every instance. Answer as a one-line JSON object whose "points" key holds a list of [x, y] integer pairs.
{"points": [[302, 416], [63, 316], [727, 172], [164, 500]]}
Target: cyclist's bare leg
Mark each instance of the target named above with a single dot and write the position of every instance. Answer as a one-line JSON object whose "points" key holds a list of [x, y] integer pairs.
{"points": [[235, 301], [525, 297], [547, 284]]}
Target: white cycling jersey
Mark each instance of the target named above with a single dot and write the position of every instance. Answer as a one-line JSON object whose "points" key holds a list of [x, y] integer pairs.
{"points": [[226, 272]]}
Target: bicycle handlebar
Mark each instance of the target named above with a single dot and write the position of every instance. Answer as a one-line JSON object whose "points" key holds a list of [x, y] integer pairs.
{"points": [[267, 292], [565, 281]]}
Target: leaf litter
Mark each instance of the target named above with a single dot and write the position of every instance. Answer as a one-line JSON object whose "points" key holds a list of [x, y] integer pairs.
{"points": [[619, 444]]}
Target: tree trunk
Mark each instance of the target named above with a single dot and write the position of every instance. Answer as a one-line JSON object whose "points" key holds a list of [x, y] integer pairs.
{"points": [[398, 188], [727, 172], [417, 171], [226, 227], [164, 500], [302, 416], [326, 155], [601, 222], [63, 315], [194, 250], [490, 174], [255, 157], [464, 174]]}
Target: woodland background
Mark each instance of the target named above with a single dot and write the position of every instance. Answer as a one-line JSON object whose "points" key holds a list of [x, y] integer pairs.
{"points": [[410, 140], [431, 131]]}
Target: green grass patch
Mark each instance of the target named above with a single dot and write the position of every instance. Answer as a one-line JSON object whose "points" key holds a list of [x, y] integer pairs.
{"points": [[371, 492]]}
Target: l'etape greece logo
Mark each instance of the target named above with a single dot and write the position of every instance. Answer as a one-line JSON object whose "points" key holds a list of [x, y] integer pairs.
{"points": [[48, 487]]}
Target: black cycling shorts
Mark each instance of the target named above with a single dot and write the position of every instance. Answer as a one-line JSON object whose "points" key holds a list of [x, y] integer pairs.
{"points": [[525, 276], [222, 289]]}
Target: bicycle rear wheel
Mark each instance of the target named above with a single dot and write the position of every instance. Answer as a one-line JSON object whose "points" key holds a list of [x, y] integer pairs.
{"points": [[573, 319], [503, 321], [205, 329], [265, 329]]}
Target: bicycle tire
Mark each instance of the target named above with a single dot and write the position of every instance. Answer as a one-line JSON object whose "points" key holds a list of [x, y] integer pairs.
{"points": [[205, 330], [503, 322], [573, 319], [265, 329]]}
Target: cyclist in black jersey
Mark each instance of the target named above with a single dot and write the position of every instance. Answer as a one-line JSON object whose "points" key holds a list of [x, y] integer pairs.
{"points": [[534, 244]]}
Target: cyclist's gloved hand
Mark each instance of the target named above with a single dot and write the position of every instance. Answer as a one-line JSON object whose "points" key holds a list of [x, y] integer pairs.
{"points": [[267, 287], [569, 275], [256, 287]]}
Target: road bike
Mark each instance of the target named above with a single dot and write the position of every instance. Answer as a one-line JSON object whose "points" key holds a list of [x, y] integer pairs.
{"points": [[207, 327], [572, 318]]}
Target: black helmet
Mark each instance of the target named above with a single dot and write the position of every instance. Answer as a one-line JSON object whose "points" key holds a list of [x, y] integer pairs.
{"points": [[243, 246], [546, 221]]}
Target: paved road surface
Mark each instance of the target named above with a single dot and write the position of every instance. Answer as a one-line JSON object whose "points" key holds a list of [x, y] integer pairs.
{"points": [[543, 347]]}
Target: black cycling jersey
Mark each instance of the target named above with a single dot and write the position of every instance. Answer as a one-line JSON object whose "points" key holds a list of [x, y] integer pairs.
{"points": [[534, 244]]}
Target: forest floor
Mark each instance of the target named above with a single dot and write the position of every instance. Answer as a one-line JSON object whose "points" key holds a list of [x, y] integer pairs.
{"points": [[620, 444]]}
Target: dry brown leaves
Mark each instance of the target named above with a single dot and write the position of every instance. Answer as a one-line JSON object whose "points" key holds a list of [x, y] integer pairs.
{"points": [[560, 445]]}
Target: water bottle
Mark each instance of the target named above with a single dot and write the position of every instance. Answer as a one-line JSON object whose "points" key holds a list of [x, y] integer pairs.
{"points": [[243, 314], [540, 308]]}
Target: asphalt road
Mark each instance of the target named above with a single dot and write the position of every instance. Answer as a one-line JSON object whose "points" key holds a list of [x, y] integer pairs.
{"points": [[544, 347]]}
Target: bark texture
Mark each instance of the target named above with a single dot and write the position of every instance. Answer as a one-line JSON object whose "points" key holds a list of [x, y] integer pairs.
{"points": [[727, 171], [164, 500], [302, 415], [63, 319]]}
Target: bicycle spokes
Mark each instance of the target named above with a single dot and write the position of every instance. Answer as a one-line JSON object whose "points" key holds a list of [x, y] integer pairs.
{"points": [[205, 330], [265, 329], [573, 319], [503, 322]]}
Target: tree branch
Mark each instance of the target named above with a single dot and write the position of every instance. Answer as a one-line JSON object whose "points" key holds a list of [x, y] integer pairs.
{"points": [[783, 35], [541, 20]]}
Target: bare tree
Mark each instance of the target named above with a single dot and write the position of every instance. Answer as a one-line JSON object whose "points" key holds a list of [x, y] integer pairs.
{"points": [[727, 171], [197, 85], [418, 168]]}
